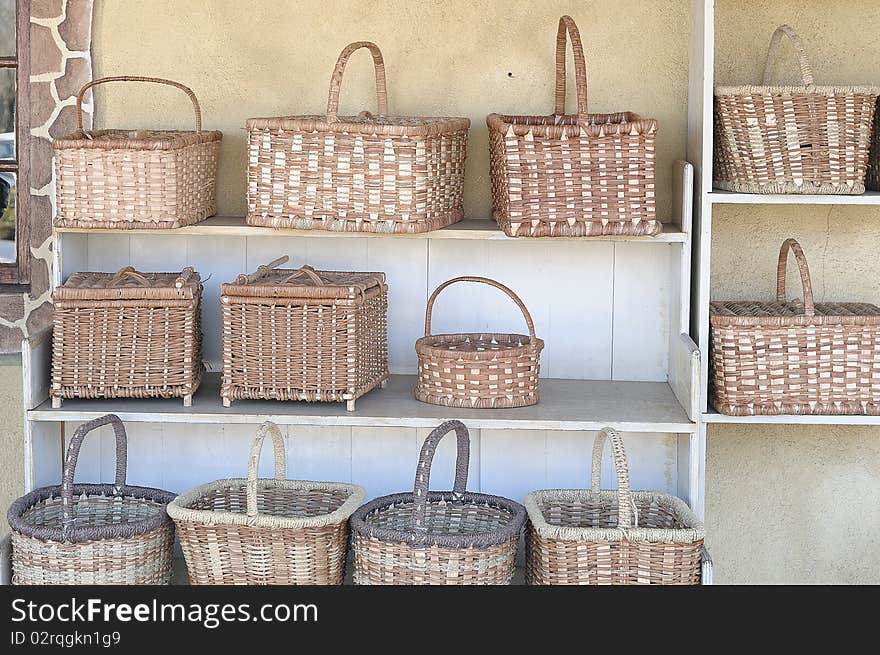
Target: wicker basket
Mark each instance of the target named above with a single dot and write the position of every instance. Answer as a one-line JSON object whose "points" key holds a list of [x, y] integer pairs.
{"points": [[579, 536], [364, 173], [478, 370], [137, 179], [872, 182], [127, 335], [258, 532], [304, 335], [792, 139], [573, 175], [437, 537], [795, 357], [92, 533]]}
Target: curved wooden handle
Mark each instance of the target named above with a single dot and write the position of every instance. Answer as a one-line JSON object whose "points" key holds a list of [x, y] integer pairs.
{"points": [[309, 272], [184, 277], [128, 273], [621, 467], [773, 51], [568, 26], [423, 468], [262, 271], [136, 78], [254, 461], [339, 70], [782, 265]]}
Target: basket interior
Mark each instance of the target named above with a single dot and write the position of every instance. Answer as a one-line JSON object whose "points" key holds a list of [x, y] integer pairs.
{"points": [[477, 342], [93, 511], [443, 518], [592, 514], [275, 501], [572, 119]]}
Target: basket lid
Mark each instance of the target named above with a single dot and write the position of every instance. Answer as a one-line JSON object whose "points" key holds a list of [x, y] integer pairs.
{"points": [[130, 284], [119, 139], [306, 282]]}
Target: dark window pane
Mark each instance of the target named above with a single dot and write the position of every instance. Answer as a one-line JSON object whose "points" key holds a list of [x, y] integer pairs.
{"points": [[7, 218], [7, 28], [7, 113]]}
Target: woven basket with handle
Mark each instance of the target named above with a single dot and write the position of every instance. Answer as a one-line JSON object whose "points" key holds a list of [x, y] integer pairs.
{"points": [[77, 534], [136, 179], [478, 369], [580, 536], [437, 537], [792, 139], [572, 175], [257, 532], [793, 357]]}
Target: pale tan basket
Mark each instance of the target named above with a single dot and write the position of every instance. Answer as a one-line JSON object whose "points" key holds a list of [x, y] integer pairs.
{"points": [[623, 537], [573, 175], [304, 334], [135, 179], [364, 173]]}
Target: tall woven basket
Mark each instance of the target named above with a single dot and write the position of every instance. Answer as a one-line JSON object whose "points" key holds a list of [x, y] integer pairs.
{"points": [[364, 173], [76, 534], [623, 537], [792, 139], [573, 175], [136, 179], [437, 537], [258, 532], [873, 179], [793, 357]]}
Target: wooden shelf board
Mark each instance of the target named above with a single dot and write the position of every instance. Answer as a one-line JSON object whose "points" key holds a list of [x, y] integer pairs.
{"points": [[718, 197], [791, 419]]}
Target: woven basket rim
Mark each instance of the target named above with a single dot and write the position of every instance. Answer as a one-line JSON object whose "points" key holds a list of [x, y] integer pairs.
{"points": [[179, 510], [826, 314], [431, 125], [360, 526], [164, 289], [175, 140], [271, 287], [795, 89], [695, 532], [423, 348], [521, 125]]}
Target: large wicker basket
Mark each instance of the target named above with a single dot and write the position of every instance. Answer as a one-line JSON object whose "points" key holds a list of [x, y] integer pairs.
{"points": [[92, 533], [624, 537], [437, 537], [135, 179], [477, 369], [364, 173], [127, 335], [573, 175], [304, 334], [257, 532], [872, 182], [795, 357], [792, 139]]}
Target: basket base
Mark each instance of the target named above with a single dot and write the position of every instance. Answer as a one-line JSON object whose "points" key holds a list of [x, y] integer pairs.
{"points": [[496, 402], [354, 223], [563, 229], [791, 188], [847, 408]]}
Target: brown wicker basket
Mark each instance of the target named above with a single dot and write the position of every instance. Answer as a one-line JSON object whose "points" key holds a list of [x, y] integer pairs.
{"points": [[573, 175], [623, 537], [872, 181], [127, 335], [258, 532], [77, 534], [792, 139], [478, 370], [304, 335], [437, 537], [795, 357], [135, 179], [364, 173]]}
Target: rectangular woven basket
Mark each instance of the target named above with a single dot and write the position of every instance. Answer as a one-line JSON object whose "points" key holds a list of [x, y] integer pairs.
{"points": [[136, 179], [364, 173], [795, 358]]}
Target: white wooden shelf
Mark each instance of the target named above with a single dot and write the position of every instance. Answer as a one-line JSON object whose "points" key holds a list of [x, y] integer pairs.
{"points": [[791, 419], [718, 197]]}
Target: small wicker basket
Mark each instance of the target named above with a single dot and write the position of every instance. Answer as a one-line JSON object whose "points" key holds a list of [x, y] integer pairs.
{"points": [[257, 532], [437, 537], [478, 370], [76, 534], [579, 536]]}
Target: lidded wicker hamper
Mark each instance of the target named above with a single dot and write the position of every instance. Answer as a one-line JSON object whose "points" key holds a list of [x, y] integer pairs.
{"points": [[792, 139], [136, 179], [437, 537], [573, 175], [127, 335], [364, 173], [795, 357], [75, 534], [624, 537], [257, 532], [304, 334], [478, 370]]}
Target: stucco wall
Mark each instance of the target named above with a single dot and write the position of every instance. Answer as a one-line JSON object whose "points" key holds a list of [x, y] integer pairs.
{"points": [[11, 437]]}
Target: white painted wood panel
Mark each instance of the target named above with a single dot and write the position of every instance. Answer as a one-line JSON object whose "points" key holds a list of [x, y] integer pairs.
{"points": [[109, 253], [319, 453], [383, 460]]}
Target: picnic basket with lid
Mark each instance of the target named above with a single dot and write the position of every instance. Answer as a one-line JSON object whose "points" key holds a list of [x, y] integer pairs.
{"points": [[437, 537], [127, 335], [76, 534], [624, 537], [364, 173], [136, 179], [256, 532]]}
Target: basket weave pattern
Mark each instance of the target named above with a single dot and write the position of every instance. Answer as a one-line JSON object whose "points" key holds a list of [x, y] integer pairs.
{"points": [[872, 182]]}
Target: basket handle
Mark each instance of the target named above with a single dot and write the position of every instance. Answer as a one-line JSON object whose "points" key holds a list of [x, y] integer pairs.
{"points": [[567, 25], [136, 78], [68, 518], [339, 69], [254, 461], [262, 271], [184, 277], [773, 51], [309, 272], [809, 306], [129, 273], [482, 280], [624, 495], [423, 468]]}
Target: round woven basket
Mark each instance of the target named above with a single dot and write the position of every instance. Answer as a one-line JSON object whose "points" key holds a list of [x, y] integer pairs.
{"points": [[437, 538]]}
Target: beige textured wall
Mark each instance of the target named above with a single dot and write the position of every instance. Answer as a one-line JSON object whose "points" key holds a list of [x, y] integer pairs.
{"points": [[11, 437]]}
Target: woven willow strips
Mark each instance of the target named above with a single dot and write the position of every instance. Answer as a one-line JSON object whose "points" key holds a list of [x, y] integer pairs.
{"points": [[872, 181]]}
